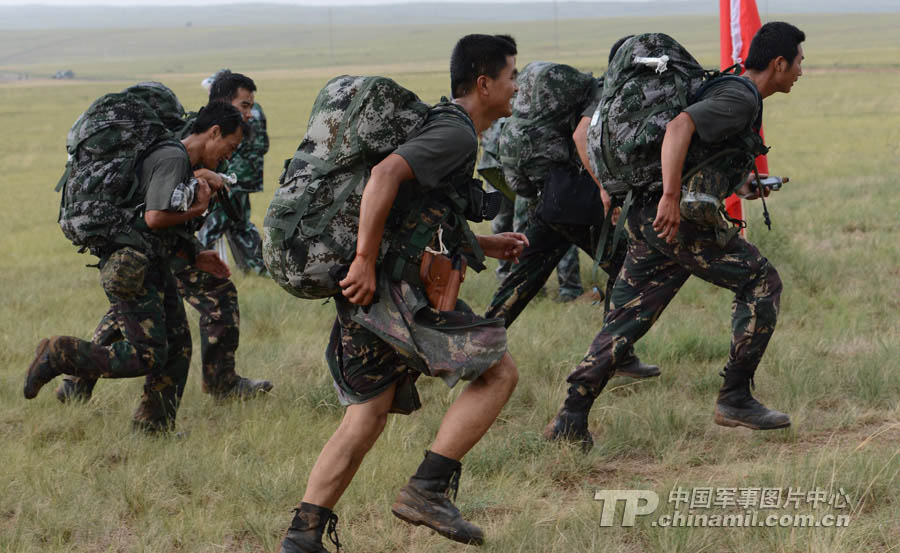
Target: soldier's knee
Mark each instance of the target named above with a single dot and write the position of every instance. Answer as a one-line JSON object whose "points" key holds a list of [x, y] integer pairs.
{"points": [[503, 374]]}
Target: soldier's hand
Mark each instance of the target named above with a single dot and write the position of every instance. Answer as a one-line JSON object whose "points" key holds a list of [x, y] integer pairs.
{"points": [[209, 261], [213, 179], [507, 246], [359, 285], [202, 194], [668, 217], [607, 205]]}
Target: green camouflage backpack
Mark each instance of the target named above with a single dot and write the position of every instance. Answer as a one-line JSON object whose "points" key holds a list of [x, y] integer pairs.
{"points": [[310, 229], [106, 145], [489, 166], [650, 80], [545, 112]]}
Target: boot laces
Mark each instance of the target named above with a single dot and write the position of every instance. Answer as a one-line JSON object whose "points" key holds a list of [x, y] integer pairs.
{"points": [[453, 484], [332, 531]]}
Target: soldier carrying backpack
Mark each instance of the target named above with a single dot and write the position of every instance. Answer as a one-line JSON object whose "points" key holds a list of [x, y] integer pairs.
{"points": [[128, 191], [655, 100], [373, 212], [539, 157]]}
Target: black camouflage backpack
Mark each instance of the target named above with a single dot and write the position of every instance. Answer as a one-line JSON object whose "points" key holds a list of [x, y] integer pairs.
{"points": [[310, 229], [106, 145], [545, 112]]}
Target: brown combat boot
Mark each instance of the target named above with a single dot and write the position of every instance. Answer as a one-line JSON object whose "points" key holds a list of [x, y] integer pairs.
{"points": [[307, 528], [735, 406], [425, 500], [571, 423], [41, 370]]}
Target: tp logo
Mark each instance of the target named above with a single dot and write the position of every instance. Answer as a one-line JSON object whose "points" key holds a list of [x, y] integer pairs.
{"points": [[633, 505]]}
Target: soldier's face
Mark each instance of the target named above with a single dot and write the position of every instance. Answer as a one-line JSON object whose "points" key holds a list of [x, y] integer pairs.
{"points": [[788, 74], [219, 148], [243, 100], [504, 87]]}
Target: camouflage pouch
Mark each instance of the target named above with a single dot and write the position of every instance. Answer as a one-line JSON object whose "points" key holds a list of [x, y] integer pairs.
{"points": [[703, 196], [122, 276]]}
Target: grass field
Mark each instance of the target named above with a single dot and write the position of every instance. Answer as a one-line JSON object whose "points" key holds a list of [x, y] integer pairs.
{"points": [[76, 479]]}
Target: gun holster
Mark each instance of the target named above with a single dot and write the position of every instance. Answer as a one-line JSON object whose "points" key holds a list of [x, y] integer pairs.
{"points": [[442, 277]]}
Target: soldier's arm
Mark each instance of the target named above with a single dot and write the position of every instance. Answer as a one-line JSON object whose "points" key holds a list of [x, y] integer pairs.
{"points": [[674, 150], [377, 200], [157, 219], [579, 137]]}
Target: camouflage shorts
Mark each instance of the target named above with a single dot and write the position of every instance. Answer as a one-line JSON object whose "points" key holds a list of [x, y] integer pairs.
{"points": [[400, 337]]}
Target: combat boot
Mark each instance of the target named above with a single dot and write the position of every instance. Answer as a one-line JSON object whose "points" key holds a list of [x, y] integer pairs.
{"points": [[307, 528], [736, 407], [41, 370], [635, 368], [571, 423], [247, 388], [73, 388], [425, 500]]}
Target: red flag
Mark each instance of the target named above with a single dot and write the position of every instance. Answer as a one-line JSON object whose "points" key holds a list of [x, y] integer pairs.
{"points": [[738, 22]]}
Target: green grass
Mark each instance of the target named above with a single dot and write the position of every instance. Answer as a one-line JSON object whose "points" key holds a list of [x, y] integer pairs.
{"points": [[75, 478]]}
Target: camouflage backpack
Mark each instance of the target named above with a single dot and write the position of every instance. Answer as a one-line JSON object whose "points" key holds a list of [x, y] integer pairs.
{"points": [[545, 112], [310, 229], [489, 166], [650, 80], [106, 145]]}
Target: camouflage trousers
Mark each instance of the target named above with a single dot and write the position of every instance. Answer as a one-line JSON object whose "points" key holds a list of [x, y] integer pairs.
{"points": [[515, 216], [242, 236], [217, 302], [549, 245], [147, 335], [653, 273], [216, 299]]}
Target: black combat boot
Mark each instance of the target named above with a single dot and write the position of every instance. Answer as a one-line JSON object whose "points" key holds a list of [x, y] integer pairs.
{"points": [[307, 528], [635, 368], [41, 370], [571, 423], [73, 388], [425, 499], [246, 388], [736, 407]]}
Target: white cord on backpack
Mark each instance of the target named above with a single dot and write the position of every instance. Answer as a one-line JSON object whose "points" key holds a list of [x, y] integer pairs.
{"points": [[661, 63], [440, 237]]}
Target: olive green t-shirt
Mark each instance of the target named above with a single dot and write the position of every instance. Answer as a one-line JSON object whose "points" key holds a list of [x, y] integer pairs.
{"points": [[441, 148], [162, 171], [725, 110]]}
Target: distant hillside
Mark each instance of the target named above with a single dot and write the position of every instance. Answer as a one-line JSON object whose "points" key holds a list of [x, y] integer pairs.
{"points": [[53, 17]]}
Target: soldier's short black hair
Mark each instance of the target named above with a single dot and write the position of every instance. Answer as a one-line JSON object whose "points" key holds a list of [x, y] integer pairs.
{"points": [[226, 86], [615, 47], [226, 116], [773, 39], [476, 55]]}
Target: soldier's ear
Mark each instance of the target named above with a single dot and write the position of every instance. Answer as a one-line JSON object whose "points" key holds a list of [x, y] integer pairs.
{"points": [[215, 131], [481, 85]]}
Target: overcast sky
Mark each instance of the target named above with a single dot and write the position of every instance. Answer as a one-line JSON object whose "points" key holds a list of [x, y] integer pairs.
{"points": [[209, 2]]}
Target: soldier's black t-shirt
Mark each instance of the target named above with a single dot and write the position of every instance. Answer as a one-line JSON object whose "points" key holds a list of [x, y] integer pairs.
{"points": [[725, 110]]}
